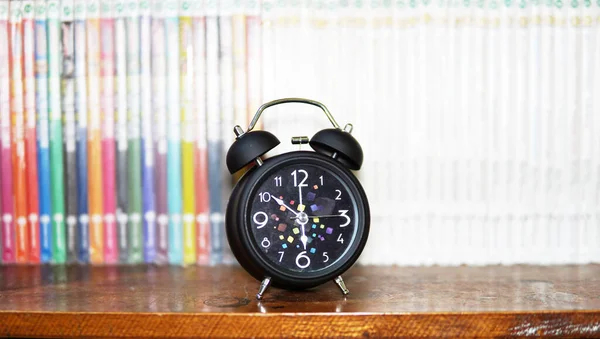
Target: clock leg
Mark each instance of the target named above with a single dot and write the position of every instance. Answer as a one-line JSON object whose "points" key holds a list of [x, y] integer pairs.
{"points": [[263, 287], [340, 282]]}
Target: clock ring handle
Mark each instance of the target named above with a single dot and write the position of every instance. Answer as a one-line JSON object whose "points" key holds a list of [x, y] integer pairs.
{"points": [[266, 105]]}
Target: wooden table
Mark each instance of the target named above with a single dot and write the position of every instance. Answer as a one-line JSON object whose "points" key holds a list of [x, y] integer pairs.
{"points": [[161, 302]]}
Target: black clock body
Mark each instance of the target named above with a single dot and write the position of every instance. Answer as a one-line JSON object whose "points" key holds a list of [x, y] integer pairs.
{"points": [[300, 218]]}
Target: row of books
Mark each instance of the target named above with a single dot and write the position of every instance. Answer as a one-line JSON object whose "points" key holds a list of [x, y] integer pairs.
{"points": [[479, 121], [115, 117]]}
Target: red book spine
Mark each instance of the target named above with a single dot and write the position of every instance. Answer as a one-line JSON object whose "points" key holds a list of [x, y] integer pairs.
{"points": [[31, 163]]}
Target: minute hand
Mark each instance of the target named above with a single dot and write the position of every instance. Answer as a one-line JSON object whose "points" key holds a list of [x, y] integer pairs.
{"points": [[281, 203]]}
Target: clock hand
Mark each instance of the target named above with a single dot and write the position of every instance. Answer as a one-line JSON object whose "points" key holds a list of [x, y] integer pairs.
{"points": [[303, 238], [281, 203], [319, 216]]}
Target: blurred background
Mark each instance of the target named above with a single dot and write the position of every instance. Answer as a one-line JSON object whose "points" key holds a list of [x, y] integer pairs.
{"points": [[479, 121]]}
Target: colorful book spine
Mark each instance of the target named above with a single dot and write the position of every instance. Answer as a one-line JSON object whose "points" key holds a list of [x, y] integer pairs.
{"points": [[200, 154], [18, 132], [228, 99], [188, 124], [239, 47], [81, 111], [227, 116], [43, 130], [33, 207], [59, 251], [174, 189], [147, 120], [253, 59], [107, 57], [159, 105], [120, 48], [70, 132], [4, 96], [95, 163], [8, 235], [214, 145], [134, 165]]}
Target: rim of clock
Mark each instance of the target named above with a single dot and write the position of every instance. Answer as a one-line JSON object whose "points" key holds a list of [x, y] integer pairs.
{"points": [[260, 173]]}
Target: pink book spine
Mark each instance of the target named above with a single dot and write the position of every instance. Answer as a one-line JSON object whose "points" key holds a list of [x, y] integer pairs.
{"points": [[107, 74], [8, 235]]}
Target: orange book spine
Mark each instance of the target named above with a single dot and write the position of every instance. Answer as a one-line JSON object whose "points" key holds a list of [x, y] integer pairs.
{"points": [[18, 132], [95, 201]]}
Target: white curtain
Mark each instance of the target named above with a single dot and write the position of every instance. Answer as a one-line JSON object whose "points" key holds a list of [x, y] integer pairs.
{"points": [[479, 120]]}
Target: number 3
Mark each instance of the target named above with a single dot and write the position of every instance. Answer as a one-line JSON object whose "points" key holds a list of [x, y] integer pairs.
{"points": [[343, 214]]}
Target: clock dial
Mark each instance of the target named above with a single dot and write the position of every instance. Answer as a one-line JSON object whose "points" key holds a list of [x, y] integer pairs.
{"points": [[303, 218]]}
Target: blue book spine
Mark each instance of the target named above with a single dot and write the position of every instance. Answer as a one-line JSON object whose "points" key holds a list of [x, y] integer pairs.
{"points": [[82, 195], [41, 92], [81, 109], [174, 191], [214, 138], [149, 208], [215, 178], [148, 195]]}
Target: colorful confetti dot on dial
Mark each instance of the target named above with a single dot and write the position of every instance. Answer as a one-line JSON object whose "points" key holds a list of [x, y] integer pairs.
{"points": [[314, 235], [329, 230], [314, 226], [310, 196], [282, 208], [281, 227], [281, 237], [316, 187], [284, 245], [314, 207], [292, 202], [290, 239], [313, 250], [316, 219], [322, 226], [301, 207], [296, 230]]}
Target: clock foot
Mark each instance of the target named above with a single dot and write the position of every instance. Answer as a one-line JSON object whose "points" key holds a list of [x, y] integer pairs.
{"points": [[340, 282], [263, 288]]}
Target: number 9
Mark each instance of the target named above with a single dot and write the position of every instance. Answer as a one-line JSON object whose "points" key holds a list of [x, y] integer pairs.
{"points": [[260, 223]]}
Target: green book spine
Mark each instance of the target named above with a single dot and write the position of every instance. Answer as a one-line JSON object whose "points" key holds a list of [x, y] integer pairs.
{"points": [[56, 134], [134, 164]]}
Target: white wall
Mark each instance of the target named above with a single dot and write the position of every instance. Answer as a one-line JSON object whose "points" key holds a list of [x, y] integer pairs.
{"points": [[480, 126]]}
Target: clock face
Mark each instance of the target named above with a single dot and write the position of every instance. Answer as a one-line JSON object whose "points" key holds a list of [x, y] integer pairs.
{"points": [[303, 218]]}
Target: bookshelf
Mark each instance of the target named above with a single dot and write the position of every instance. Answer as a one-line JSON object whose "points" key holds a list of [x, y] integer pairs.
{"points": [[177, 302]]}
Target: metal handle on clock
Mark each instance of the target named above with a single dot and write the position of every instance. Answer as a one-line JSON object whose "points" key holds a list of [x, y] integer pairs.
{"points": [[290, 100]]}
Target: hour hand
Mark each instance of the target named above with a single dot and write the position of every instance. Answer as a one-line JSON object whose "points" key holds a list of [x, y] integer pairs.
{"points": [[281, 203]]}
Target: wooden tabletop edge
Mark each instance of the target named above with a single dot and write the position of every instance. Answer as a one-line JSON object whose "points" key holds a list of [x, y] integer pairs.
{"points": [[553, 323]]}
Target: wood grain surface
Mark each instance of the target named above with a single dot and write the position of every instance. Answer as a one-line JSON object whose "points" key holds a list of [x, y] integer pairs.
{"points": [[162, 302]]}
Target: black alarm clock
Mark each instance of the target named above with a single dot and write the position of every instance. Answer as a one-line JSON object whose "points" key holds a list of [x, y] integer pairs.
{"points": [[298, 219]]}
